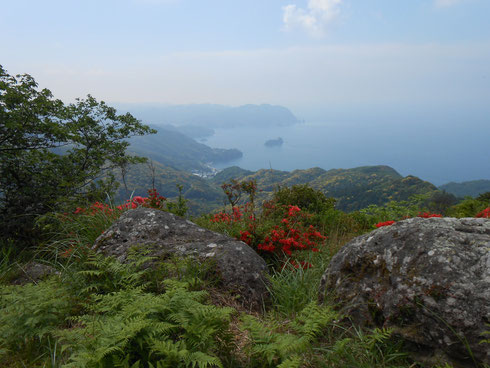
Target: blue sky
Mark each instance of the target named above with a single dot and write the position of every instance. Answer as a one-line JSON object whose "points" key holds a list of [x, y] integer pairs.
{"points": [[308, 55]]}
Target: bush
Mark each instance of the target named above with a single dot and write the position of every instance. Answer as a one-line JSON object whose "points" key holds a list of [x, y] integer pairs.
{"points": [[303, 196], [52, 155]]}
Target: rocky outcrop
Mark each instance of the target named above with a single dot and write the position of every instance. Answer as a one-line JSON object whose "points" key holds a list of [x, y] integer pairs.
{"points": [[32, 272], [428, 279], [241, 269]]}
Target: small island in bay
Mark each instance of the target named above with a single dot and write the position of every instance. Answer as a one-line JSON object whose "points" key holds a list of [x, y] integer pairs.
{"points": [[274, 142]]}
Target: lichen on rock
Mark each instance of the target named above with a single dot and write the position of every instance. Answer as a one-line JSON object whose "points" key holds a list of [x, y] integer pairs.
{"points": [[241, 269], [428, 279]]}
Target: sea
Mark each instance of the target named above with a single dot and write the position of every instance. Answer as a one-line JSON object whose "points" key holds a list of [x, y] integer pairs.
{"points": [[434, 152]]}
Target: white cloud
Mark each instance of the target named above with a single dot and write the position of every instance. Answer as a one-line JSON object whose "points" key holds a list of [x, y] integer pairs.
{"points": [[446, 3], [314, 19]]}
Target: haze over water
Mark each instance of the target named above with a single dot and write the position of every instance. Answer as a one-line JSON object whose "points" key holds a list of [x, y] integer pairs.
{"points": [[433, 152]]}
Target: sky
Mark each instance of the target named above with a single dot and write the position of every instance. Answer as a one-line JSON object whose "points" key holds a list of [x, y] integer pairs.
{"points": [[322, 56]]}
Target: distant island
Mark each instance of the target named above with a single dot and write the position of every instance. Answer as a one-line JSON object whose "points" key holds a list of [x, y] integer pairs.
{"points": [[274, 142]]}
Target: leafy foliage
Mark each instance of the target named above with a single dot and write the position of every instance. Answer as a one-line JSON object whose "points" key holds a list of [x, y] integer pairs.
{"points": [[100, 313], [54, 155], [303, 196], [132, 328], [469, 207], [30, 314]]}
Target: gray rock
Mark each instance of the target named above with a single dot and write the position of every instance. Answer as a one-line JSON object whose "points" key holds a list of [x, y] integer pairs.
{"points": [[428, 279], [239, 266], [32, 272]]}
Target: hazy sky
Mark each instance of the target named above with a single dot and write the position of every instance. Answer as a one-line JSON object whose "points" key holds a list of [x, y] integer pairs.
{"points": [[303, 54]]}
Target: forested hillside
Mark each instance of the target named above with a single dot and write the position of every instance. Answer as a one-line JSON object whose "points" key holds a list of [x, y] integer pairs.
{"points": [[179, 151], [471, 188], [353, 189]]}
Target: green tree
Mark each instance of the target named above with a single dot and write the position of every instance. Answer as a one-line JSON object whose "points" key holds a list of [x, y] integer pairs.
{"points": [[54, 155]]}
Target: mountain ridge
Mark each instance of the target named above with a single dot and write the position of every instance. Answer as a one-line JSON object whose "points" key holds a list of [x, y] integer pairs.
{"points": [[212, 116], [472, 188]]}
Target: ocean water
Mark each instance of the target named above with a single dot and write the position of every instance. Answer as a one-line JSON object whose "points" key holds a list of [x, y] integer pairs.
{"points": [[436, 153]]}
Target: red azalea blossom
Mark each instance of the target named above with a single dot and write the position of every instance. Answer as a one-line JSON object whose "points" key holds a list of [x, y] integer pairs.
{"points": [[484, 214], [428, 215], [245, 237], [386, 223], [138, 199], [293, 210]]}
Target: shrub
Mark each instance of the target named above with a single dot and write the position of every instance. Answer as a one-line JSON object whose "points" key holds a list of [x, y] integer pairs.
{"points": [[303, 196], [53, 155]]}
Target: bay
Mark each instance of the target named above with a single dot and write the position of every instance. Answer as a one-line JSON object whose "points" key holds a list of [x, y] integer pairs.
{"points": [[433, 152]]}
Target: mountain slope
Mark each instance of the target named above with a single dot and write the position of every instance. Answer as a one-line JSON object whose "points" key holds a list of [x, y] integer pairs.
{"points": [[353, 188], [174, 149], [204, 196], [468, 188]]}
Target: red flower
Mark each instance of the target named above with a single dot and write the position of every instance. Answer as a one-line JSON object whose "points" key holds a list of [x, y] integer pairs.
{"points": [[484, 214], [245, 237], [138, 199], [386, 223], [428, 215], [293, 210]]}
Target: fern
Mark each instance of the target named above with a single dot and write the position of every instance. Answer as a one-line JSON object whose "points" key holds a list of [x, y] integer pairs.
{"points": [[30, 314], [283, 349], [132, 327], [105, 274]]}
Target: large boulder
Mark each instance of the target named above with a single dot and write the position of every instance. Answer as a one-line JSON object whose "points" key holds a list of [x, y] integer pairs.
{"points": [[428, 279], [241, 269]]}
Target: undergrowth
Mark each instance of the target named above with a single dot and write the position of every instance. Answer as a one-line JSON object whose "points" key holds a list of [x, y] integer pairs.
{"points": [[149, 312]]}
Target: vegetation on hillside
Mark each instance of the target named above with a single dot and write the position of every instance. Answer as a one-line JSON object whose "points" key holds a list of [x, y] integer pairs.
{"points": [[172, 148], [352, 188], [58, 162]]}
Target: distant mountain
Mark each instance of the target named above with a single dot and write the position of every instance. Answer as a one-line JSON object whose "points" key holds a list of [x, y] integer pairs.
{"points": [[174, 149], [353, 188], [211, 116], [468, 188]]}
